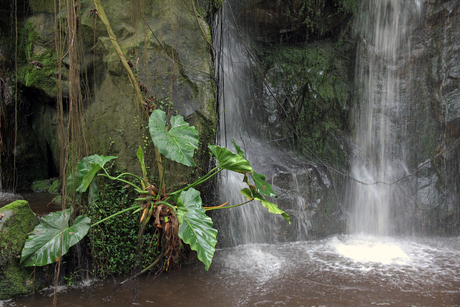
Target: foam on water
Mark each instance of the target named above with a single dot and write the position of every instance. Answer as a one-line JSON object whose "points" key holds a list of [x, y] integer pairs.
{"points": [[257, 261], [371, 249]]}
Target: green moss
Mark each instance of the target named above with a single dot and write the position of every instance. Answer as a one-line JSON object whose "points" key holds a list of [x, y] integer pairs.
{"points": [[15, 281], [114, 243], [41, 78], [40, 75], [55, 186], [19, 220], [12, 239], [45, 6], [41, 185]]}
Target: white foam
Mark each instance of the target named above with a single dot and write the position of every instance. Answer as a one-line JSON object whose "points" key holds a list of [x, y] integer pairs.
{"points": [[255, 261], [371, 249]]}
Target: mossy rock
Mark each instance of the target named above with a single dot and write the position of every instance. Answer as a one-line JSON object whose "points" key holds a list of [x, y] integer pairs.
{"points": [[51, 186], [41, 186], [17, 220], [55, 186]]}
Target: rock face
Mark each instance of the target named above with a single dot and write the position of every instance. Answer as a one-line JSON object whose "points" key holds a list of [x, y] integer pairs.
{"points": [[296, 20], [16, 221], [433, 98], [168, 46]]}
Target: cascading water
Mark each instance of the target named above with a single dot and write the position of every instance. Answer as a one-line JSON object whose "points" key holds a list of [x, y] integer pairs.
{"points": [[232, 66], [386, 28], [341, 270], [241, 119]]}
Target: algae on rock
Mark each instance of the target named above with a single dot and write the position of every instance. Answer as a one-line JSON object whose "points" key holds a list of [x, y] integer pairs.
{"points": [[16, 221]]}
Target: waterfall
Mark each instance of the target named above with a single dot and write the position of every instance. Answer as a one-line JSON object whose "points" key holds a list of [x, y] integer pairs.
{"points": [[236, 101], [380, 116], [241, 119]]}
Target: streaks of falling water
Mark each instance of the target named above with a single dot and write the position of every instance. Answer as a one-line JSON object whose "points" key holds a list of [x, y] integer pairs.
{"points": [[380, 115]]}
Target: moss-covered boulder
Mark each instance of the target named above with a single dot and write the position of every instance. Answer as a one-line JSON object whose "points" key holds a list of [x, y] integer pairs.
{"points": [[48, 185], [16, 221]]}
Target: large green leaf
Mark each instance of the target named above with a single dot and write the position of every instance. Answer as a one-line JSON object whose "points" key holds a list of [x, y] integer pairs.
{"points": [[262, 186], [230, 161], [53, 237], [247, 193], [238, 149], [196, 227], [86, 170], [273, 208], [179, 142], [181, 209]]}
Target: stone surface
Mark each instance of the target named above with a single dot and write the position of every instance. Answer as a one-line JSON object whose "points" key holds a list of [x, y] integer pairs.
{"points": [[168, 45]]}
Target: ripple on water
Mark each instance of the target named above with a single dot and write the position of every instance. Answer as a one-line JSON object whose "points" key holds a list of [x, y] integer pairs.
{"points": [[329, 272]]}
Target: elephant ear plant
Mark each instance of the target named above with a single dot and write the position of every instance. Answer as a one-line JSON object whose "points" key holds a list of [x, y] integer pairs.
{"points": [[178, 215]]}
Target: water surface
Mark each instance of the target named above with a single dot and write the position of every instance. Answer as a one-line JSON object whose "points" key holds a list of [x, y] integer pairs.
{"points": [[337, 271]]}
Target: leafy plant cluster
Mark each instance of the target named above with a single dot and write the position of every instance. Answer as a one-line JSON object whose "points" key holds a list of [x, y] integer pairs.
{"points": [[108, 241], [178, 217]]}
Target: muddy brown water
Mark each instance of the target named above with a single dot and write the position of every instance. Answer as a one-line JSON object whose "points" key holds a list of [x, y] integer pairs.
{"points": [[40, 203], [337, 271]]}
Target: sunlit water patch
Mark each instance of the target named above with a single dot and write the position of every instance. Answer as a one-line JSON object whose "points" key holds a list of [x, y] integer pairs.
{"points": [[371, 249]]}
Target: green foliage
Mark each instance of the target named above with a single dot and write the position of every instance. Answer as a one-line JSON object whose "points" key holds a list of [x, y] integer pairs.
{"points": [[176, 143], [52, 238], [196, 227], [230, 161], [349, 6], [180, 216], [114, 243], [85, 172], [317, 18]]}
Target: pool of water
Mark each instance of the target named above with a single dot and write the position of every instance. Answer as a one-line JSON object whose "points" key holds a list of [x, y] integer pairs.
{"points": [[40, 203], [337, 271]]}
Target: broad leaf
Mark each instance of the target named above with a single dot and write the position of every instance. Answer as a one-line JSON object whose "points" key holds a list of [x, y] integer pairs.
{"points": [[238, 149], [53, 237], [230, 161], [247, 193], [181, 209], [262, 186], [86, 170], [272, 208], [196, 227], [177, 144]]}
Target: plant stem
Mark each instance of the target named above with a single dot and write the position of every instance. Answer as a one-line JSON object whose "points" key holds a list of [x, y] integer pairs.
{"points": [[199, 181], [122, 180], [144, 270], [166, 204], [130, 175], [227, 207], [113, 215]]}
